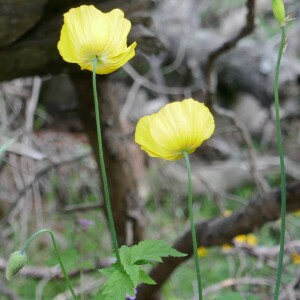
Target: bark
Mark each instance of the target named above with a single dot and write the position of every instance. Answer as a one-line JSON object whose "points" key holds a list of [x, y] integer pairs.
{"points": [[219, 231]]}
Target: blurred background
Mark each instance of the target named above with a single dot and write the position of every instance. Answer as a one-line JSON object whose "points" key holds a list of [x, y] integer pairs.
{"points": [[222, 53]]}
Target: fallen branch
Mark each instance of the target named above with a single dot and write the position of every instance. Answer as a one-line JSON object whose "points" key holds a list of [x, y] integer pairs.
{"points": [[259, 211], [226, 46], [231, 282], [55, 272]]}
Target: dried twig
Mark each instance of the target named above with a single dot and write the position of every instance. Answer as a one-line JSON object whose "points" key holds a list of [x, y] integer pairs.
{"points": [[231, 282], [260, 181], [32, 103], [82, 207], [37, 176], [211, 90], [55, 272], [214, 55], [6, 291], [88, 286], [157, 88]]}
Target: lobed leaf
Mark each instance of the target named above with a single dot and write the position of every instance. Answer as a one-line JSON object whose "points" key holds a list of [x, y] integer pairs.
{"points": [[153, 251]]}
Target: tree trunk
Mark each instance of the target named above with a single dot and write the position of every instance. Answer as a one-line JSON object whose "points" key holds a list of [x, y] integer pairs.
{"points": [[121, 178]]}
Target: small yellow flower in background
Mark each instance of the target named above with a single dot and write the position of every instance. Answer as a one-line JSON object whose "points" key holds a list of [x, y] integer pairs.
{"points": [[202, 252], [226, 247], [88, 33], [249, 239], [295, 257], [297, 213], [177, 127], [227, 212]]}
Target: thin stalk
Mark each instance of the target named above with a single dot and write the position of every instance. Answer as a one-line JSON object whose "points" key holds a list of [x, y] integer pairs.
{"points": [[102, 166], [56, 252], [282, 167], [193, 230]]}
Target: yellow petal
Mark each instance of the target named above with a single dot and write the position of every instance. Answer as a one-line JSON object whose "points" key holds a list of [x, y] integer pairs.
{"points": [[119, 28], [112, 63], [88, 33], [177, 127], [143, 137], [84, 32]]}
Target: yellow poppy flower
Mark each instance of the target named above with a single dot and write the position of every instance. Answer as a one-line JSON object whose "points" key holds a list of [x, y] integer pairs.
{"points": [[177, 127], [88, 33], [249, 239]]}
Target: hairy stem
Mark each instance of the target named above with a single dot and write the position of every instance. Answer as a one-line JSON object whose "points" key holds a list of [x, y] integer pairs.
{"points": [[282, 167], [102, 166], [56, 252]]}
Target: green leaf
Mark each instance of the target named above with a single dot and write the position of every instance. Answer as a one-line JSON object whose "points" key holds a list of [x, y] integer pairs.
{"points": [[152, 251], [251, 297], [126, 259], [145, 278], [123, 277], [108, 271], [117, 286], [144, 262]]}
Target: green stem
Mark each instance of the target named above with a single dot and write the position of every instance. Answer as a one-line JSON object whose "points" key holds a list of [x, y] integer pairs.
{"points": [[57, 254], [282, 167], [102, 166], [193, 230]]}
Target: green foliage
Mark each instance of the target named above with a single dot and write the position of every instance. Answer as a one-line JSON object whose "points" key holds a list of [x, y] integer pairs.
{"points": [[151, 251], [251, 297], [230, 296], [124, 276], [235, 296], [118, 284]]}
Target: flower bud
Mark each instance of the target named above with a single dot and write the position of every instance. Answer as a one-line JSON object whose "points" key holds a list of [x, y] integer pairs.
{"points": [[15, 263], [279, 11]]}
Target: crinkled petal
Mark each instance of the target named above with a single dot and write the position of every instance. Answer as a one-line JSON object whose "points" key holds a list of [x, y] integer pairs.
{"points": [[119, 28], [88, 33], [111, 64], [177, 127], [84, 34], [144, 138]]}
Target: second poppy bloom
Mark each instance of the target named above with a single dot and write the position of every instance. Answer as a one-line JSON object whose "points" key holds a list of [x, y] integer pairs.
{"points": [[177, 127], [88, 33]]}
